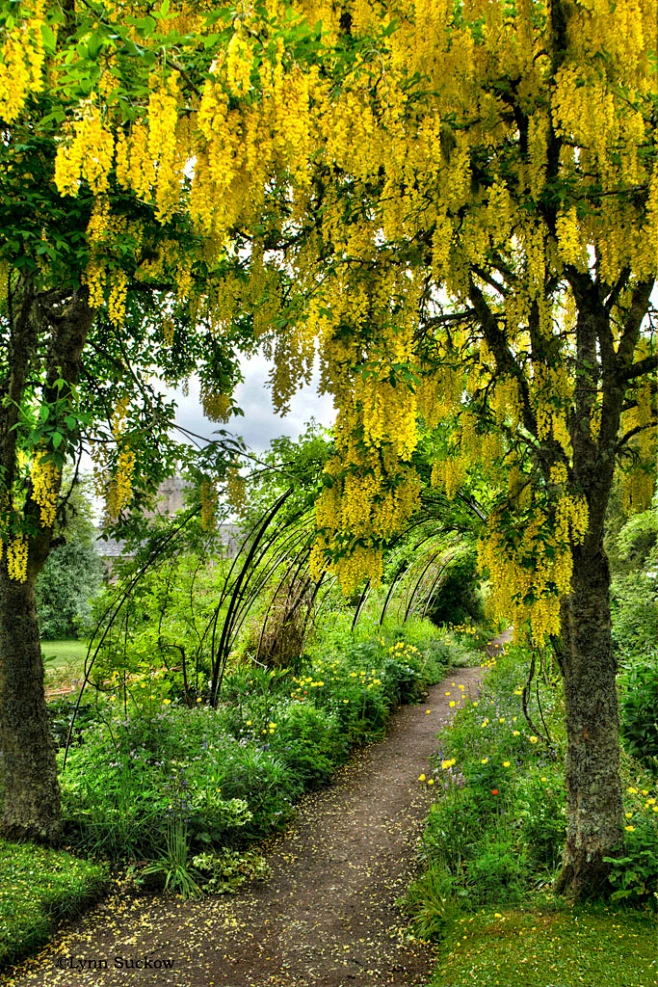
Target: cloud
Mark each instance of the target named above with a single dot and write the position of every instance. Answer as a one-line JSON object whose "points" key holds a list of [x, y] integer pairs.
{"points": [[260, 423]]}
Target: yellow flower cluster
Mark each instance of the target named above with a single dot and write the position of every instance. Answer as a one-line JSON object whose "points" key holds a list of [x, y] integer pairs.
{"points": [[22, 59], [263, 119], [165, 162], [401, 650], [362, 563], [639, 473], [572, 248], [17, 558], [45, 487], [116, 304], [236, 490], [530, 574], [120, 488], [208, 505], [88, 155], [216, 406], [558, 474], [551, 395]]}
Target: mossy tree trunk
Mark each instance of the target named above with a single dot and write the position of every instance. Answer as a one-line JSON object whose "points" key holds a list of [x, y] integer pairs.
{"points": [[31, 808], [45, 342], [594, 803]]}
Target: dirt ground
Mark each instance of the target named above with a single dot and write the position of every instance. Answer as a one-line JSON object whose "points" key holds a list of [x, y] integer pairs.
{"points": [[326, 916]]}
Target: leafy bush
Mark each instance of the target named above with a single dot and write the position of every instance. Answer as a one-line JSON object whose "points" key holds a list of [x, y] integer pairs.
{"points": [[458, 599], [166, 783], [430, 902], [74, 571], [498, 871], [634, 590], [498, 830], [541, 805], [639, 709], [62, 712], [634, 606], [225, 871], [312, 742], [72, 576], [122, 784]]}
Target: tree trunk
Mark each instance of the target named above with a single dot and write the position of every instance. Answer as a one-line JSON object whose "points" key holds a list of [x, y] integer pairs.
{"points": [[594, 803], [28, 771]]}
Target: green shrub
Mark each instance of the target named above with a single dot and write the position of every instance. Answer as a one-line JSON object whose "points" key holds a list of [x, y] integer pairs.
{"points": [[71, 577], [226, 870], [458, 599], [541, 805], [497, 831], [635, 869], [123, 782], [634, 610], [639, 709], [498, 871], [164, 782], [430, 902], [312, 742]]}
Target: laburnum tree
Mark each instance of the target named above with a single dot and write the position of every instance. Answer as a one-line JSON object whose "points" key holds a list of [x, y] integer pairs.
{"points": [[454, 204], [107, 292], [472, 247]]}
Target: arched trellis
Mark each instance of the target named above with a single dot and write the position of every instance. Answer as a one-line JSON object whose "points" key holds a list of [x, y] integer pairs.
{"points": [[274, 552], [418, 565]]}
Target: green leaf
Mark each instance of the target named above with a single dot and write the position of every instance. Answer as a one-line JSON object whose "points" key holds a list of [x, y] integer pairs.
{"points": [[48, 36], [56, 439], [95, 44]]}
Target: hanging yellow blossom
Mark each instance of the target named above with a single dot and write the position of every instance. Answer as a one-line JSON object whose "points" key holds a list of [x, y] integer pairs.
{"points": [[45, 486], [17, 558]]}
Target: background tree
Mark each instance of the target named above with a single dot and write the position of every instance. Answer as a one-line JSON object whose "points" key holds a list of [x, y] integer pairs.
{"points": [[74, 571]]}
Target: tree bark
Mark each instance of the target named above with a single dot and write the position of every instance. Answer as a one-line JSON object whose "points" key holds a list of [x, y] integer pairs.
{"points": [[31, 808], [594, 802], [28, 769]]}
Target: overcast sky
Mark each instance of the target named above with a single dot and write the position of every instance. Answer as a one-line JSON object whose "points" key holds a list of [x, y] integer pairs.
{"points": [[260, 424]]}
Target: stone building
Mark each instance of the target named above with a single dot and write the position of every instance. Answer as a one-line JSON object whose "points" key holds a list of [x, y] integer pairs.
{"points": [[170, 500]]}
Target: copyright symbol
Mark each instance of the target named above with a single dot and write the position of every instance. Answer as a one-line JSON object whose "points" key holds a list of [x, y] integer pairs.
{"points": [[60, 962]]}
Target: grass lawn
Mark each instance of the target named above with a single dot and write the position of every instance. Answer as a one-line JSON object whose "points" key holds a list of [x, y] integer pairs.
{"points": [[535, 947], [58, 653], [38, 887]]}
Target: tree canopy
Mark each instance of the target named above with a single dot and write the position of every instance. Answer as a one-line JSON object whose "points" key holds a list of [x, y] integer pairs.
{"points": [[434, 195]]}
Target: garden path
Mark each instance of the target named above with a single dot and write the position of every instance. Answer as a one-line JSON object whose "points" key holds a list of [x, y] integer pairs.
{"points": [[326, 917]]}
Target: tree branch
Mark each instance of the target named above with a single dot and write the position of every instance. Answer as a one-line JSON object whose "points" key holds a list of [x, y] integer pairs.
{"points": [[497, 343]]}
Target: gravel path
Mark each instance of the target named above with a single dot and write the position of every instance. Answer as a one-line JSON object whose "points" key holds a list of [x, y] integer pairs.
{"points": [[327, 915]]}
